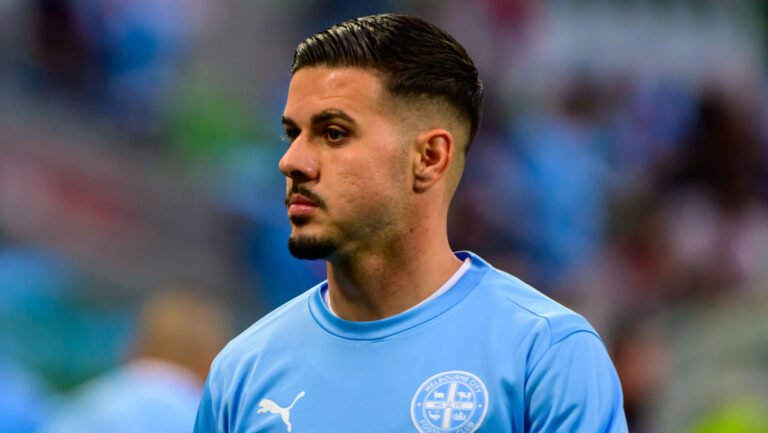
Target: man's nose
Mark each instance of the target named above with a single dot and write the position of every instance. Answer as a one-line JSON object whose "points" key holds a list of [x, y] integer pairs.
{"points": [[300, 161]]}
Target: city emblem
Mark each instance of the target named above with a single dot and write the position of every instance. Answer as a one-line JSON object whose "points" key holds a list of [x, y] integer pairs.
{"points": [[450, 402]]}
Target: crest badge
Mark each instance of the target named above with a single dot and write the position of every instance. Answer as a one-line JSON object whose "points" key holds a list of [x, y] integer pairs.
{"points": [[450, 402]]}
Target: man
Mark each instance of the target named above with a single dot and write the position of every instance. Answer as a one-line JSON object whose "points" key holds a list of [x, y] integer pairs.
{"points": [[405, 335], [177, 335]]}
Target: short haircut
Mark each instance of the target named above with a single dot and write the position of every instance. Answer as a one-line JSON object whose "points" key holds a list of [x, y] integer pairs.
{"points": [[417, 58]]}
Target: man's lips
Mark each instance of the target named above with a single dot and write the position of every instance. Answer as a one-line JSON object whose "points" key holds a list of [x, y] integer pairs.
{"points": [[300, 205], [300, 200]]}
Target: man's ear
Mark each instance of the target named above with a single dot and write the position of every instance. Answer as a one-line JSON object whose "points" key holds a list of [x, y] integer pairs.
{"points": [[434, 153]]}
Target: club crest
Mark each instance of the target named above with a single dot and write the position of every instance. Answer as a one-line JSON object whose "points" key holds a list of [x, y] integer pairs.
{"points": [[450, 402]]}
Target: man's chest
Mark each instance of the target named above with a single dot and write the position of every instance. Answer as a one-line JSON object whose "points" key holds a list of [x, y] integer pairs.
{"points": [[383, 388]]}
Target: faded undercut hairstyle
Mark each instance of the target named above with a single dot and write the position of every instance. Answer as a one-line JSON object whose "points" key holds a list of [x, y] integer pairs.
{"points": [[417, 59]]}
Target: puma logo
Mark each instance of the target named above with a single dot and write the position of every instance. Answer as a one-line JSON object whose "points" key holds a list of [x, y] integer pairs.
{"points": [[267, 405]]}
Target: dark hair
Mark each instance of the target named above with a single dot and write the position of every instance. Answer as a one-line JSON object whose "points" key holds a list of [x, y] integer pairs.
{"points": [[416, 57]]}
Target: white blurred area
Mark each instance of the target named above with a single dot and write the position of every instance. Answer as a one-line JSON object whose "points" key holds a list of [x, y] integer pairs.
{"points": [[624, 147]]}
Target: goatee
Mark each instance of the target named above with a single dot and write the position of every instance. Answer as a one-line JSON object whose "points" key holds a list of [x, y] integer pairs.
{"points": [[310, 248]]}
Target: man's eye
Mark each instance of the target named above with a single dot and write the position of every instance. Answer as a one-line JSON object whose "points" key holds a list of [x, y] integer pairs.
{"points": [[289, 136], [335, 135]]}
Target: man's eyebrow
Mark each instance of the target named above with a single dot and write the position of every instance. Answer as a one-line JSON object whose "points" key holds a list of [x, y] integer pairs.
{"points": [[288, 122], [321, 117], [332, 114]]}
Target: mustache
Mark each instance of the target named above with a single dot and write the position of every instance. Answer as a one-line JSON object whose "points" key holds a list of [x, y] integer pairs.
{"points": [[298, 189]]}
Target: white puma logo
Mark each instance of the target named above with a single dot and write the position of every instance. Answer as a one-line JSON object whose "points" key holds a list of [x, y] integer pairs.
{"points": [[267, 405]]}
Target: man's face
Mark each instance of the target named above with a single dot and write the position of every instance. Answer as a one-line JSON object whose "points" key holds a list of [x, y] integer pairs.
{"points": [[347, 167]]}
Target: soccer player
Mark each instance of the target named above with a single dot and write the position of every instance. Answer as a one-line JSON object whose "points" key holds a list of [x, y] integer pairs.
{"points": [[405, 335], [177, 335]]}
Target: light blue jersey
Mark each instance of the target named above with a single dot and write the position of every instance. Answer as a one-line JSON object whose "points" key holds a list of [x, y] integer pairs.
{"points": [[490, 355], [144, 396]]}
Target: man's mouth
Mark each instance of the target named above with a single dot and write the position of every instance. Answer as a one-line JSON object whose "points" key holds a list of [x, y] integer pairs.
{"points": [[300, 196], [300, 200], [300, 206]]}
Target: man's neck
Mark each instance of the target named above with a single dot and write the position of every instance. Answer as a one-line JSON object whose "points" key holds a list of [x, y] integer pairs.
{"points": [[373, 286]]}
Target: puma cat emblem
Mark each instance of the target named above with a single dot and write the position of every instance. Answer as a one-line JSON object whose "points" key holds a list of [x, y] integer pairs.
{"points": [[267, 405]]}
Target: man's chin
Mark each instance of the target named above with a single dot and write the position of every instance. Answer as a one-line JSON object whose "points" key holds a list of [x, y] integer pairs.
{"points": [[308, 248]]}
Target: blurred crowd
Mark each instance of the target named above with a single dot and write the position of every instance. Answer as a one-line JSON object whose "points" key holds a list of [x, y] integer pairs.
{"points": [[621, 168]]}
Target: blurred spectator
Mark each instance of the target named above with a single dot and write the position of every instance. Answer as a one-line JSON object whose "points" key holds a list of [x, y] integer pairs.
{"points": [[143, 44], [120, 57], [566, 182], [491, 196], [714, 214], [179, 333]]}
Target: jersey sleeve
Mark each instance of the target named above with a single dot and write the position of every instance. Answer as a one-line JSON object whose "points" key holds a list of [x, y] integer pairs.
{"points": [[206, 412], [574, 388]]}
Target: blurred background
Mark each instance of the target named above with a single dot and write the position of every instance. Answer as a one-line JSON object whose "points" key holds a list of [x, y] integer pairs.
{"points": [[622, 168]]}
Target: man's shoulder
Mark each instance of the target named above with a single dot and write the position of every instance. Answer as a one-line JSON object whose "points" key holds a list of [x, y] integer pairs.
{"points": [[290, 317], [520, 301]]}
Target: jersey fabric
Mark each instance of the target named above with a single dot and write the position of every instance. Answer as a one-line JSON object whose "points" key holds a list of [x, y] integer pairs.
{"points": [[144, 396], [490, 355]]}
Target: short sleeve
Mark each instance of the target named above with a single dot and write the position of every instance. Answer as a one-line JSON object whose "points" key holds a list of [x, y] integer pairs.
{"points": [[206, 419], [574, 388]]}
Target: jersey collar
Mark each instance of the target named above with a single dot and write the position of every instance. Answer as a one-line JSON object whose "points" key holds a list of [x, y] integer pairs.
{"points": [[411, 318]]}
